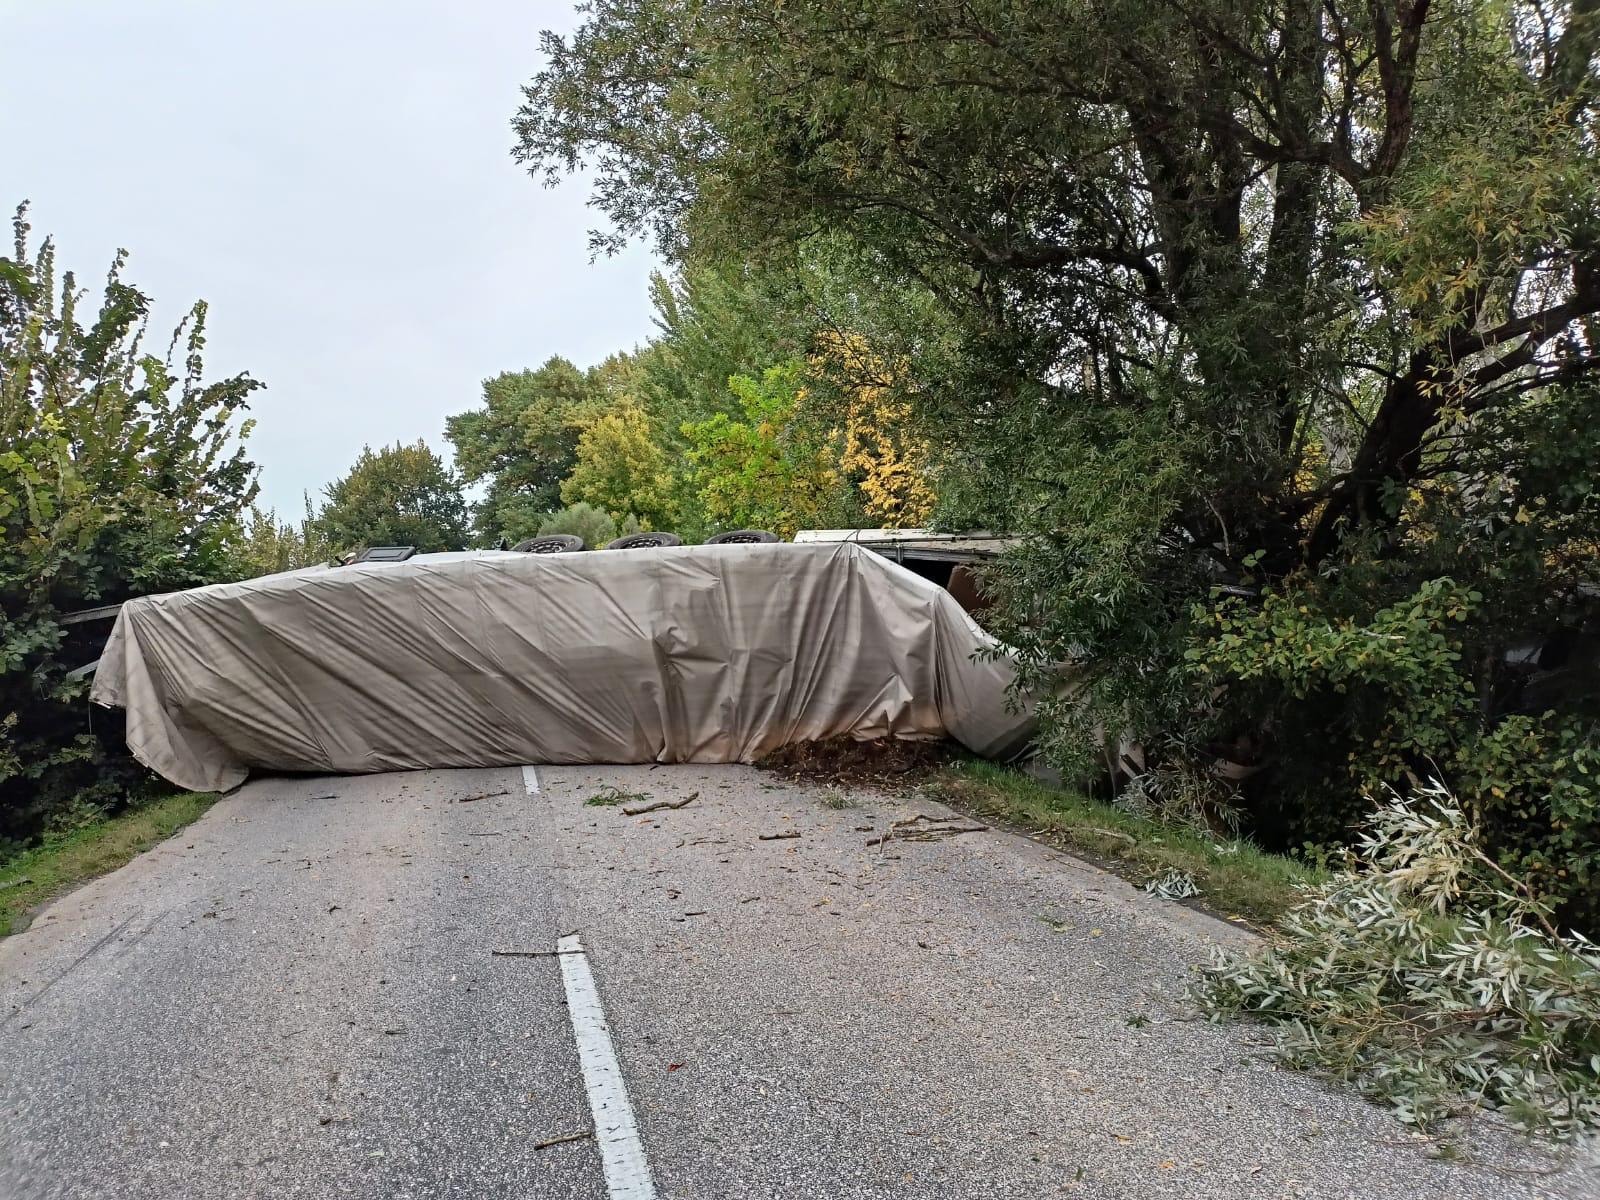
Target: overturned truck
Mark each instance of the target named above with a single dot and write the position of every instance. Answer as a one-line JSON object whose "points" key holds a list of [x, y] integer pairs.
{"points": [[493, 658]]}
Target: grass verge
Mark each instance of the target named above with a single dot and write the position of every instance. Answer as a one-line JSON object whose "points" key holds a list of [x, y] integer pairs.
{"points": [[1236, 880], [61, 864]]}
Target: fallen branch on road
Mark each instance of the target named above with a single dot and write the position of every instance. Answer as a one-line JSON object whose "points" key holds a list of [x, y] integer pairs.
{"points": [[565, 1137], [639, 810], [481, 796], [927, 833]]}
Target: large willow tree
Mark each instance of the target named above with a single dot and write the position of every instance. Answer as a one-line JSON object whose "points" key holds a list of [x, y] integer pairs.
{"points": [[1291, 299]]}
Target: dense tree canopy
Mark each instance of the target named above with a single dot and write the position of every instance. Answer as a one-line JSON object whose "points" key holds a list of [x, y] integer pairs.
{"points": [[522, 443], [1288, 211], [396, 496], [633, 435], [621, 469]]}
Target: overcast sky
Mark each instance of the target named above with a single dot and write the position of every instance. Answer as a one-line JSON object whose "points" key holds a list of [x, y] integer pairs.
{"points": [[335, 180]]}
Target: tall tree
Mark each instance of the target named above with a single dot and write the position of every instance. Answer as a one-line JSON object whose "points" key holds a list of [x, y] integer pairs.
{"points": [[522, 442], [396, 496], [769, 467], [621, 470], [1245, 217]]}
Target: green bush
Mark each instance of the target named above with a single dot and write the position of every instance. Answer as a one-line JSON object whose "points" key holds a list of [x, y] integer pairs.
{"points": [[1396, 697], [1430, 978], [593, 525], [1386, 692], [1533, 787], [121, 474]]}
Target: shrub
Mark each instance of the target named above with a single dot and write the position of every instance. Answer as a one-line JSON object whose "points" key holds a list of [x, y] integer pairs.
{"points": [[593, 525], [1534, 788], [1431, 978], [121, 473], [1396, 697]]}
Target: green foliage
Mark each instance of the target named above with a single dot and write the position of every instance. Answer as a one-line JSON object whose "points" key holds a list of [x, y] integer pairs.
{"points": [[524, 441], [1394, 694], [1535, 788], [623, 434], [714, 324], [121, 473], [1430, 978], [397, 496], [769, 467], [592, 524], [621, 469], [611, 796], [263, 545], [1388, 686]]}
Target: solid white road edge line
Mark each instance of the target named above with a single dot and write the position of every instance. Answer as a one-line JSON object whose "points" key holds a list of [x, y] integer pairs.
{"points": [[615, 1132], [530, 780]]}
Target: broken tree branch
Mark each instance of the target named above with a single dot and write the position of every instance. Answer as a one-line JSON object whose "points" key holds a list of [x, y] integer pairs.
{"points": [[638, 810]]}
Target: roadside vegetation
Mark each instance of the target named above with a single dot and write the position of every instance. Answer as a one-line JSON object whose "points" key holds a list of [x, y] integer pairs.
{"points": [[1271, 333], [1231, 878], [1431, 979], [122, 472], [59, 863]]}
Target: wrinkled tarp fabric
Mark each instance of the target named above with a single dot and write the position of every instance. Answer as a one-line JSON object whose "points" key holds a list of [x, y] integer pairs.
{"points": [[691, 654]]}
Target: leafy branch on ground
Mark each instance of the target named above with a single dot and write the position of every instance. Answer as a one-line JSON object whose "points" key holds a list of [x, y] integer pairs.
{"points": [[611, 795], [1172, 884], [835, 798], [1430, 978]]}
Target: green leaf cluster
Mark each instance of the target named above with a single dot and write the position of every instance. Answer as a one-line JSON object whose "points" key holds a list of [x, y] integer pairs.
{"points": [[122, 473]]}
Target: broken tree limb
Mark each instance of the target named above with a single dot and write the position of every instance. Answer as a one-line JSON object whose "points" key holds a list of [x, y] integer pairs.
{"points": [[638, 810], [778, 837], [565, 1137], [931, 833], [481, 796]]}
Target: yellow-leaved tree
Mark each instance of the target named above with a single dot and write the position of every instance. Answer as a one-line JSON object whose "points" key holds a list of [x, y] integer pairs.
{"points": [[882, 453]]}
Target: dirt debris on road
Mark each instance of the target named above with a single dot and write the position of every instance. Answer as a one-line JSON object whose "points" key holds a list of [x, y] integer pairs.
{"points": [[886, 764]]}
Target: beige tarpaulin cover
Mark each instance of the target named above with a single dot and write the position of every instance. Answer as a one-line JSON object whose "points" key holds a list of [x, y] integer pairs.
{"points": [[686, 654]]}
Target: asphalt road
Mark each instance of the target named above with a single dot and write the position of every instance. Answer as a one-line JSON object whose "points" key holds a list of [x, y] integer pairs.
{"points": [[299, 997]]}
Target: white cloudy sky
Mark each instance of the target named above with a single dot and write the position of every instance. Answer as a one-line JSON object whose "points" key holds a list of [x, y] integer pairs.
{"points": [[334, 178]]}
